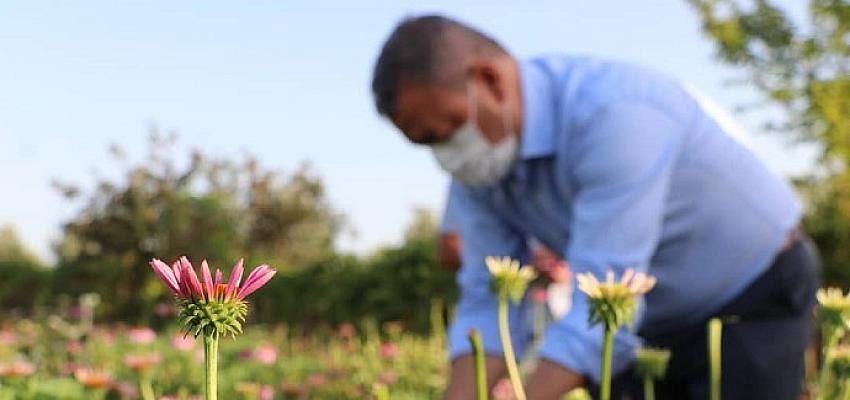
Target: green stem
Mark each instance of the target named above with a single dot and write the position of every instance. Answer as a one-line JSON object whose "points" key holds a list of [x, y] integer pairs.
{"points": [[211, 358], [607, 356], [380, 392], [715, 331], [648, 388], [437, 327], [539, 322], [830, 337], [508, 348], [145, 386], [845, 390], [480, 367]]}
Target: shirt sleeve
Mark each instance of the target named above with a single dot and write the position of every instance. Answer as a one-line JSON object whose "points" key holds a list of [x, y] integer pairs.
{"points": [[622, 172], [482, 233]]}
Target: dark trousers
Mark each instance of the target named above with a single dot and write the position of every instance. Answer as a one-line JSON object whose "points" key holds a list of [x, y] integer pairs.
{"points": [[765, 333]]}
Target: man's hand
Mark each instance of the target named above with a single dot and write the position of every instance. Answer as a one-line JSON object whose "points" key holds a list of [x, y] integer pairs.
{"points": [[448, 250], [462, 376], [550, 381], [550, 266]]}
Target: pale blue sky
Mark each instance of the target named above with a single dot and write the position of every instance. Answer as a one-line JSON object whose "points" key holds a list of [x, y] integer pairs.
{"points": [[285, 80]]}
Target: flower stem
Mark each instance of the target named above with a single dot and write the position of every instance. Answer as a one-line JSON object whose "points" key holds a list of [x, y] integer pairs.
{"points": [[607, 355], [508, 348], [826, 384], [145, 386], [211, 359], [480, 367], [438, 329], [648, 388], [715, 331]]}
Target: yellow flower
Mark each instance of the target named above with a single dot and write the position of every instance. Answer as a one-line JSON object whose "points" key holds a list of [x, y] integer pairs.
{"points": [[612, 301], [832, 297], [834, 307], [508, 278]]}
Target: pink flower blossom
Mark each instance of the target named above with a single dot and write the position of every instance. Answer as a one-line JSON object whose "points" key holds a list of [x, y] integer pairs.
{"points": [[265, 354], [141, 335], [74, 347], [104, 335], [266, 393], [17, 369], [68, 368], [142, 361], [8, 337], [347, 331], [317, 379], [183, 281], [92, 378], [183, 342], [388, 350]]}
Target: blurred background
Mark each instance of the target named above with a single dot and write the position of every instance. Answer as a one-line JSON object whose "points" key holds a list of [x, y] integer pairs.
{"points": [[220, 130]]}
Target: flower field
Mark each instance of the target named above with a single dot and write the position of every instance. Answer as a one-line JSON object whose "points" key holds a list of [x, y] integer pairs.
{"points": [[66, 355], [264, 363]]}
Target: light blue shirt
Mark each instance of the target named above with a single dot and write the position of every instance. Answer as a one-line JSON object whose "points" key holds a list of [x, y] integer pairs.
{"points": [[619, 167]]}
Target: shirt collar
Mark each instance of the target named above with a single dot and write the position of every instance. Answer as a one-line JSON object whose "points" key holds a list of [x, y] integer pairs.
{"points": [[538, 109]]}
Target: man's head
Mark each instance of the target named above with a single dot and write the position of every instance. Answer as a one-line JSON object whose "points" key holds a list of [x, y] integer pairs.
{"points": [[434, 74]]}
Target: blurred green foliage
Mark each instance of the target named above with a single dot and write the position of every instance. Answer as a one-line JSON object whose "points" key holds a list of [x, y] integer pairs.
{"points": [[23, 277], [212, 209], [221, 210], [804, 68], [398, 283]]}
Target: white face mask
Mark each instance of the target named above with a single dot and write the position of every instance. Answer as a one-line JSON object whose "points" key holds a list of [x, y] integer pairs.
{"points": [[470, 158]]}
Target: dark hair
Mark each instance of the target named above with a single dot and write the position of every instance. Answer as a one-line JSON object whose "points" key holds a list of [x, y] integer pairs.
{"points": [[425, 49]]}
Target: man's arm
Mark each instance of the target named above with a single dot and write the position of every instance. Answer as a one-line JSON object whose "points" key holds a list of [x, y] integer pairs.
{"points": [[483, 233], [623, 175], [448, 240]]}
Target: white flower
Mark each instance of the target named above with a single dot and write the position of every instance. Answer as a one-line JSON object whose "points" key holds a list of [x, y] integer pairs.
{"points": [[631, 284], [509, 279], [612, 301]]}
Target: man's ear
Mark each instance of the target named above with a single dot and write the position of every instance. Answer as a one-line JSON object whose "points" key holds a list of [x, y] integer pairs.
{"points": [[488, 72]]}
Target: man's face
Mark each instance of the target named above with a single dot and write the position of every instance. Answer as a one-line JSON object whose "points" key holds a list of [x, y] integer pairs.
{"points": [[431, 113]]}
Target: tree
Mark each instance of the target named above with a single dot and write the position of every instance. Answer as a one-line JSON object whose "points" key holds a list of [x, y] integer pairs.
{"points": [[396, 283], [13, 250], [805, 72], [215, 209], [23, 277], [423, 225]]}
